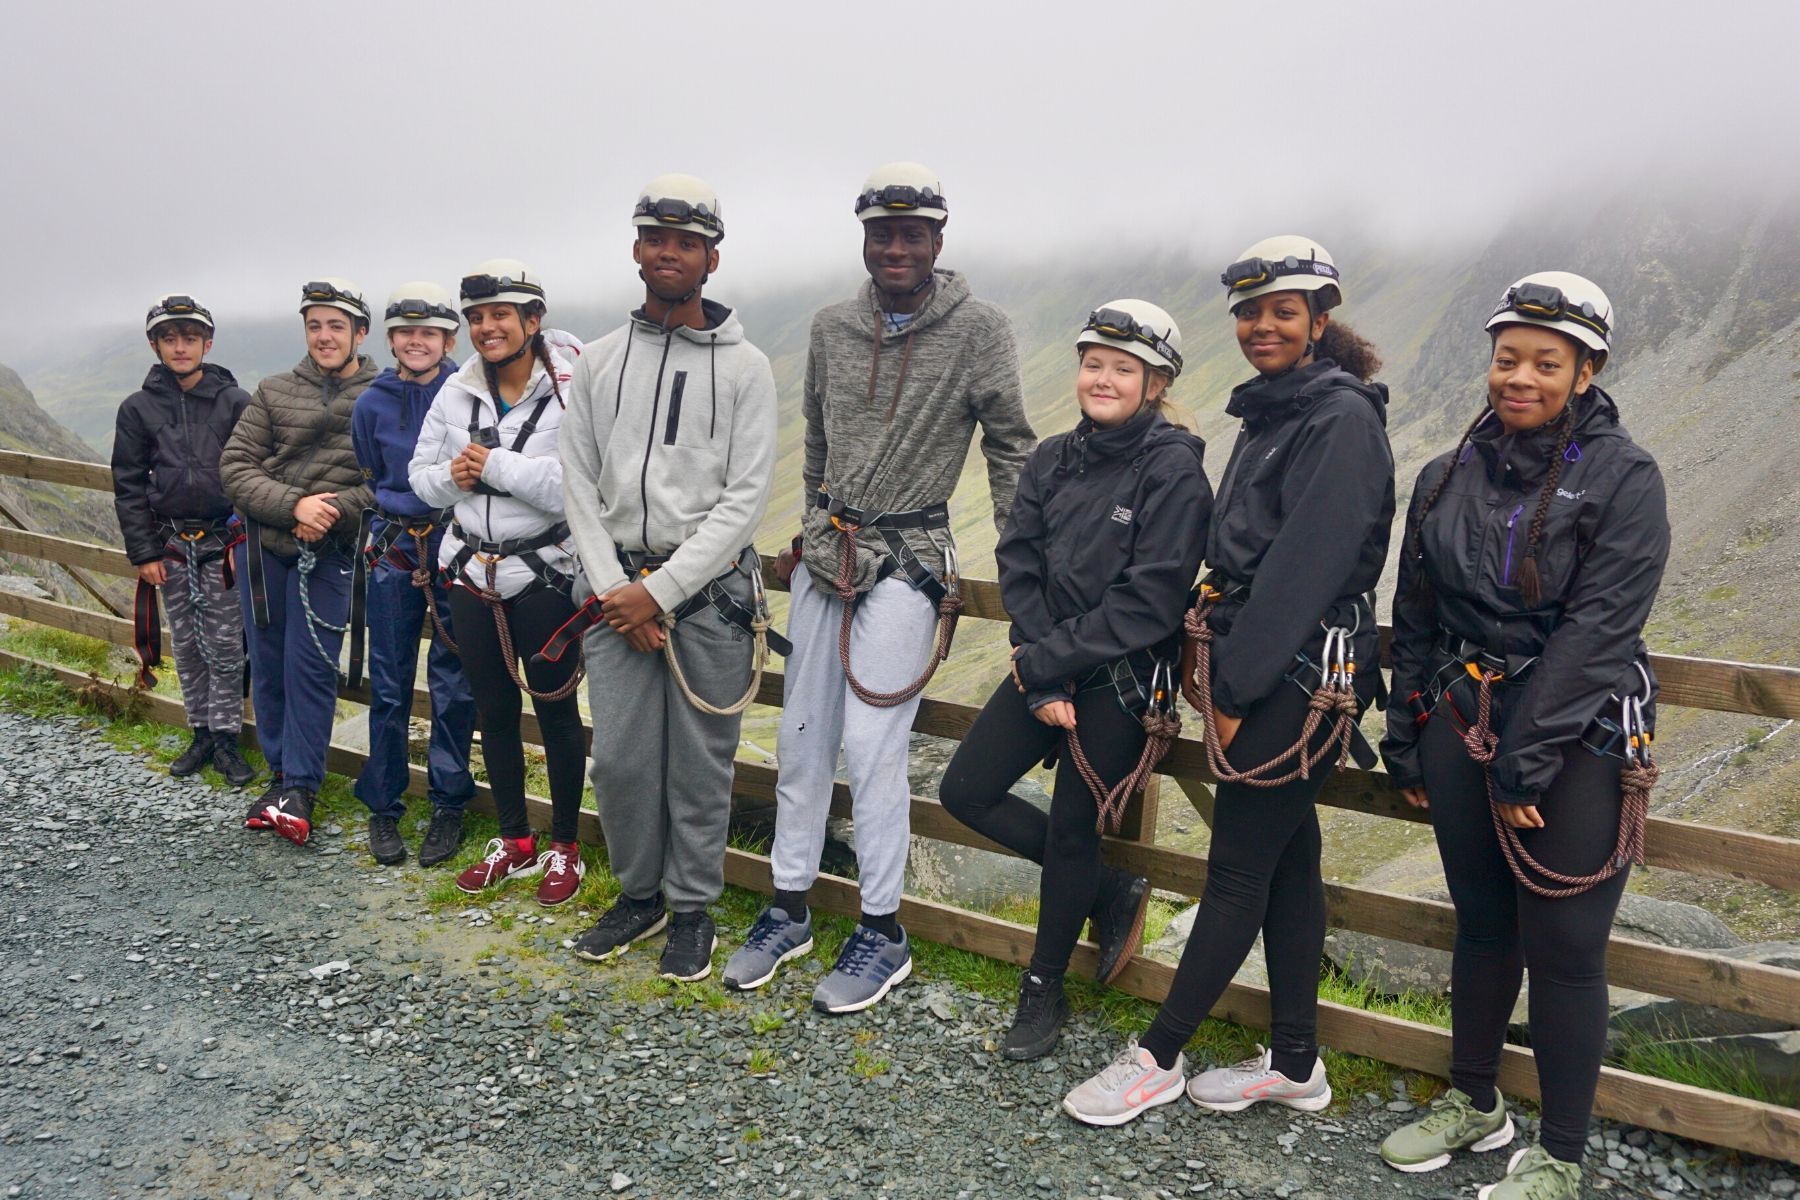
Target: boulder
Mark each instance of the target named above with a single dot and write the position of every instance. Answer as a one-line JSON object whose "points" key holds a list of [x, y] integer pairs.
{"points": [[25, 585], [1671, 923], [1773, 1056], [1389, 967], [1167, 949]]}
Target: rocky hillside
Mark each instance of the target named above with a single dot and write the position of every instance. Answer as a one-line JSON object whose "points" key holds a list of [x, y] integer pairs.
{"points": [[45, 507]]}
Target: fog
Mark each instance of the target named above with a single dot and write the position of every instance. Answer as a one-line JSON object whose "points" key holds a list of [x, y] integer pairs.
{"points": [[238, 150]]}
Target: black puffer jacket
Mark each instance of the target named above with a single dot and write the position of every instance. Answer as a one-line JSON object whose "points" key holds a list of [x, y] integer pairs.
{"points": [[1302, 518], [165, 456], [1600, 559], [1106, 535]]}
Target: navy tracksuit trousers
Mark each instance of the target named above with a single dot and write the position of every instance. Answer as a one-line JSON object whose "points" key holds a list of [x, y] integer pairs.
{"points": [[293, 688]]}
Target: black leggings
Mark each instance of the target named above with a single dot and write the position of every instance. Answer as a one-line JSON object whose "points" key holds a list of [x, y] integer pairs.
{"points": [[1262, 875], [531, 619], [1502, 927], [1006, 741]]}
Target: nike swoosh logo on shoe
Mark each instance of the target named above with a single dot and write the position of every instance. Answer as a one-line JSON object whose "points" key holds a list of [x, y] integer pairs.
{"points": [[1141, 1092]]}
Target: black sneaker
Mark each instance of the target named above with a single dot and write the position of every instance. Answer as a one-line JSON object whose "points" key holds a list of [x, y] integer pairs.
{"points": [[384, 840], [292, 814], [1117, 921], [621, 925], [257, 816], [1037, 1025], [442, 839], [687, 956], [227, 760], [196, 756]]}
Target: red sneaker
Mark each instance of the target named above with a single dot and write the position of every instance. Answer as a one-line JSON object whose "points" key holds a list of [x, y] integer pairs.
{"points": [[563, 872], [507, 858], [292, 814]]}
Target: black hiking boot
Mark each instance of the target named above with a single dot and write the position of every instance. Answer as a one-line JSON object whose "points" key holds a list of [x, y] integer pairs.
{"points": [[229, 762], [196, 756], [1037, 1025], [384, 840], [442, 839], [1117, 921]]}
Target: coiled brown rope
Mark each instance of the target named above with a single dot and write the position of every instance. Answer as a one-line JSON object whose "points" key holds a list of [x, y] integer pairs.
{"points": [[497, 605], [1335, 695], [422, 579], [1162, 725], [948, 608], [1635, 782]]}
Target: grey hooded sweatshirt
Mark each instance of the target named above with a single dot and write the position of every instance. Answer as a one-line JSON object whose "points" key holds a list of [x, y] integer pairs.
{"points": [[892, 434], [668, 447]]}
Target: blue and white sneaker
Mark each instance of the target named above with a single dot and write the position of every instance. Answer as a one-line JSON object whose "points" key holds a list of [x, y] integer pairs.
{"points": [[867, 967], [773, 940]]}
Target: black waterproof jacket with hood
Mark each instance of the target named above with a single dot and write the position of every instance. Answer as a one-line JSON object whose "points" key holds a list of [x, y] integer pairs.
{"points": [[165, 455], [1299, 528], [1106, 534], [1600, 558]]}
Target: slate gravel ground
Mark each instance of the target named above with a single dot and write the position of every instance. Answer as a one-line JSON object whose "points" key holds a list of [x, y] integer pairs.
{"points": [[189, 1009]]}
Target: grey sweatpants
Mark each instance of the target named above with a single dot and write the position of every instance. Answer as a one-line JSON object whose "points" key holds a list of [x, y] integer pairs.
{"points": [[890, 642], [661, 767], [208, 640]]}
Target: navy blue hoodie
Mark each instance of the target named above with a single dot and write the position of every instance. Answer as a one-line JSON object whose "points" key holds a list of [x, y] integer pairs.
{"points": [[384, 428]]}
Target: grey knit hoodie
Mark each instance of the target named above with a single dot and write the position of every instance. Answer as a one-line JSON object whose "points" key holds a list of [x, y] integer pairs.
{"points": [[892, 434], [668, 447]]}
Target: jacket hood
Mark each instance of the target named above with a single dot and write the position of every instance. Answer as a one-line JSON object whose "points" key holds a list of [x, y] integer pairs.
{"points": [[308, 371], [722, 325], [950, 290], [1143, 434], [213, 380], [1264, 398], [1595, 414]]}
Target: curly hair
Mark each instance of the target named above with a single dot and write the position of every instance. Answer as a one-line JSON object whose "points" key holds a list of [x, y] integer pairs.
{"points": [[1350, 350]]}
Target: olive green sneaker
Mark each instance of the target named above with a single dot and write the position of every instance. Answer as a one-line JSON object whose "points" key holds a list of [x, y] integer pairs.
{"points": [[1535, 1174], [1454, 1123]]}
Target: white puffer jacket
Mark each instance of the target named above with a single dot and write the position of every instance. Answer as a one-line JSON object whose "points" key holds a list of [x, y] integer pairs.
{"points": [[530, 470]]}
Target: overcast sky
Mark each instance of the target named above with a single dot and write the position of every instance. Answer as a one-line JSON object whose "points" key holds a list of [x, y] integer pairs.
{"points": [[239, 149]]}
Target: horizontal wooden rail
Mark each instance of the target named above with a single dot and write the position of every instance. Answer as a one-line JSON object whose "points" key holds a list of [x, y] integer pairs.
{"points": [[1731, 1121]]}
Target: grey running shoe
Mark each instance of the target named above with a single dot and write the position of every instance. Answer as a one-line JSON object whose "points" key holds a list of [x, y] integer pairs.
{"points": [[1129, 1085], [621, 925], [867, 967], [1452, 1124], [773, 940], [1237, 1087], [687, 955], [1535, 1174]]}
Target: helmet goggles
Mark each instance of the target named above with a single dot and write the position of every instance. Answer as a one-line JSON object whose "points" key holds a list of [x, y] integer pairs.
{"points": [[322, 292], [420, 310], [1546, 302], [1255, 272], [477, 288], [171, 308], [1122, 326], [901, 197], [670, 210]]}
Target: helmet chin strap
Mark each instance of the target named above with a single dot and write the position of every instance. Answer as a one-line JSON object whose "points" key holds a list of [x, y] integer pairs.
{"points": [[673, 302], [516, 355]]}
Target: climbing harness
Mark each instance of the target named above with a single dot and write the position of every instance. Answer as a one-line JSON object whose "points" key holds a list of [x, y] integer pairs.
{"points": [[897, 558], [1334, 695], [372, 551], [1636, 780], [489, 555], [753, 619], [1162, 725], [182, 542]]}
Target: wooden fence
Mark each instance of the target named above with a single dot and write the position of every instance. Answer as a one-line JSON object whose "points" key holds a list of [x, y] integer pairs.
{"points": [[1697, 976]]}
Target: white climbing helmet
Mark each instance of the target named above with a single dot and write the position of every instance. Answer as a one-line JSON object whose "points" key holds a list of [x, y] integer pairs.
{"points": [[500, 281], [680, 202], [1285, 263], [421, 303], [175, 306], [334, 291], [1139, 328], [1568, 303], [902, 189]]}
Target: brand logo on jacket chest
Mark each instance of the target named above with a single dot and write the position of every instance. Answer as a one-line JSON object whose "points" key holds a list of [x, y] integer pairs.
{"points": [[1121, 514]]}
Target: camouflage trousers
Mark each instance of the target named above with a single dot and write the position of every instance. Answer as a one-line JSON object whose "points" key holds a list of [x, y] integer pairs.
{"points": [[206, 625]]}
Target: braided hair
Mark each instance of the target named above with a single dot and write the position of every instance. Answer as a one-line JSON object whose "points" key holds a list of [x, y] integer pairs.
{"points": [[538, 348], [1414, 542], [1529, 587]]}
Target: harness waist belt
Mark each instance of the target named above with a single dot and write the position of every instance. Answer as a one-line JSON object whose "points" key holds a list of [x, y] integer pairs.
{"points": [[932, 516], [510, 546]]}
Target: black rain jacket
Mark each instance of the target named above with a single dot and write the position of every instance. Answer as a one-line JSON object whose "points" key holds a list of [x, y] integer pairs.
{"points": [[165, 456], [1301, 522], [1101, 549], [1600, 559]]}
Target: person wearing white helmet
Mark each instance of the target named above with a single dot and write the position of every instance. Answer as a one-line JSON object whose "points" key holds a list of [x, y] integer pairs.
{"points": [[899, 379], [405, 535], [489, 450], [178, 527], [668, 460], [1531, 559], [291, 470], [1297, 539], [1105, 538]]}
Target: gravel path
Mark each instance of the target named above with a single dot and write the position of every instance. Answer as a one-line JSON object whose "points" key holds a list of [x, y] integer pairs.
{"points": [[172, 1023]]}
